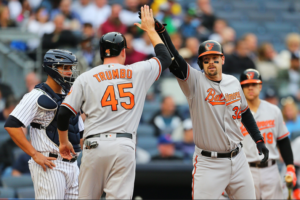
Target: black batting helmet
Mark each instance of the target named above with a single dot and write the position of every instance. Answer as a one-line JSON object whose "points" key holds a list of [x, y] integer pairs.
{"points": [[250, 76], [111, 44], [58, 57], [209, 47]]}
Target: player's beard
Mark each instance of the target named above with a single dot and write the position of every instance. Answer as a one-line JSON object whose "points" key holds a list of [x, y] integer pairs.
{"points": [[211, 74]]}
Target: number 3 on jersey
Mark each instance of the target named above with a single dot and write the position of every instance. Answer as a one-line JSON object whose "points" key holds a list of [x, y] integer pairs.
{"points": [[237, 113], [113, 102]]}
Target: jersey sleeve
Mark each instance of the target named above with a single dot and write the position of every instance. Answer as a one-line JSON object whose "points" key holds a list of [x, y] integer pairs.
{"points": [[80, 124], [188, 85], [75, 97], [151, 70], [26, 110], [244, 104], [281, 127]]}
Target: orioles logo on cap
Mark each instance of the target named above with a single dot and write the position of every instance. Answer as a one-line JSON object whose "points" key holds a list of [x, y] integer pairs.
{"points": [[250, 75], [107, 51], [209, 46]]}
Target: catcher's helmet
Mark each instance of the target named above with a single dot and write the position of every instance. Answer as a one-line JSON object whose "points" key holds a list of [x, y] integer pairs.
{"points": [[57, 57], [209, 47], [111, 44], [250, 76]]}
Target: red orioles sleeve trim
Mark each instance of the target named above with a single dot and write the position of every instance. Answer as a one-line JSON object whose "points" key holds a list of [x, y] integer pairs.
{"points": [[283, 136], [195, 167], [159, 68], [244, 109], [70, 107], [188, 74], [259, 141]]}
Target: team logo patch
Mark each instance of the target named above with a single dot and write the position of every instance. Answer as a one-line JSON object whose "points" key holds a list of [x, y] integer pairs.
{"points": [[107, 51], [209, 46], [250, 75]]}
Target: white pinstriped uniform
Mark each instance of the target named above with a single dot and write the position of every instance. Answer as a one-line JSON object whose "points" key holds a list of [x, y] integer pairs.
{"points": [[270, 122], [61, 182]]}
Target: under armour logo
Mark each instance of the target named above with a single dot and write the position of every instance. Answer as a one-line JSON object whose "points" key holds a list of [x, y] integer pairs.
{"points": [[107, 51]]}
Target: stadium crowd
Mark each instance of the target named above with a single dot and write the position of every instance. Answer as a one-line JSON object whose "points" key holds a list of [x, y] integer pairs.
{"points": [[78, 25]]}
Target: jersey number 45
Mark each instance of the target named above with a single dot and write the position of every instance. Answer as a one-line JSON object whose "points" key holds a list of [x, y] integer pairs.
{"points": [[109, 97]]}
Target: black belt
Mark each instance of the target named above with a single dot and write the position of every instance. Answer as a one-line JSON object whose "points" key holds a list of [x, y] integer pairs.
{"points": [[36, 125], [65, 160], [126, 135], [262, 165], [231, 154]]}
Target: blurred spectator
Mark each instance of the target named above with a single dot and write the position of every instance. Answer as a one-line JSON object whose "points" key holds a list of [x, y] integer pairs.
{"points": [[87, 56], [166, 149], [207, 16], [72, 19], [291, 78], [193, 44], [187, 146], [5, 21], [129, 15], [165, 15], [228, 40], [10, 105], [251, 41], [7, 154], [40, 26], [32, 79], [100, 13], [144, 45], [84, 8], [60, 37], [271, 96], [219, 26], [186, 54], [34, 4], [167, 120], [113, 23], [176, 40], [291, 117], [132, 55], [23, 17], [265, 63], [239, 61], [15, 8], [292, 43], [142, 156], [190, 24], [20, 166]]}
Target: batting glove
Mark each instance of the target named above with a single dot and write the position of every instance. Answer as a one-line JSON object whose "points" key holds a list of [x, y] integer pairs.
{"points": [[262, 149], [159, 27], [290, 170]]}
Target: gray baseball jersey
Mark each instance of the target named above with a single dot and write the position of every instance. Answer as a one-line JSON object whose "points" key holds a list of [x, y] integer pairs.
{"points": [[112, 96], [215, 110], [270, 122]]}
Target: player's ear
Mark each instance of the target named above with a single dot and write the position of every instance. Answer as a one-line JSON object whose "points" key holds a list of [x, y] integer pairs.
{"points": [[223, 60], [123, 53]]}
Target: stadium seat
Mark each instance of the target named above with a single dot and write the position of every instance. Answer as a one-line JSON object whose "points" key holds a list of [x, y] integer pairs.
{"points": [[275, 27], [7, 193], [290, 17], [234, 15], [17, 182], [4, 137], [263, 16], [145, 130], [26, 192], [277, 5], [250, 5], [149, 110], [147, 143]]}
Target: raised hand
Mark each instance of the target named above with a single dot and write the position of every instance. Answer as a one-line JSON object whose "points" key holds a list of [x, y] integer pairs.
{"points": [[147, 23]]}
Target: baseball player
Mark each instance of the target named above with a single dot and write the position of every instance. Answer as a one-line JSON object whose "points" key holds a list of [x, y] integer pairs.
{"points": [[217, 106], [112, 97], [270, 122], [39, 109]]}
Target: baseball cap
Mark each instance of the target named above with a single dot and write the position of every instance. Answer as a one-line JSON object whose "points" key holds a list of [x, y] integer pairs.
{"points": [[187, 124], [165, 139]]}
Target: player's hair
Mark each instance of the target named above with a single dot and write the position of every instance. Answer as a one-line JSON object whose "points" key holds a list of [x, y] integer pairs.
{"points": [[87, 25]]}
